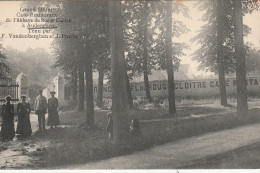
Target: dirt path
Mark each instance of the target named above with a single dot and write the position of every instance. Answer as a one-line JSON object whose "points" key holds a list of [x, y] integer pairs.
{"points": [[15, 154], [24, 153], [180, 153]]}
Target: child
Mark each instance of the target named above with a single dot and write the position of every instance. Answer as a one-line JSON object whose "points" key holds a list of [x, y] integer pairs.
{"points": [[134, 128], [110, 125]]}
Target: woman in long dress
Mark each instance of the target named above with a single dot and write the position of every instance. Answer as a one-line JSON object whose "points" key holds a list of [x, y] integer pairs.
{"points": [[24, 125], [7, 129], [53, 116]]}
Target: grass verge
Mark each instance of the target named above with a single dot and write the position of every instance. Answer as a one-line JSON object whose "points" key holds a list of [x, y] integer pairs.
{"points": [[76, 145]]}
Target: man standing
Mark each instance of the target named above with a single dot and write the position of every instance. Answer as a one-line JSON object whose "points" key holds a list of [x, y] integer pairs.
{"points": [[40, 107]]}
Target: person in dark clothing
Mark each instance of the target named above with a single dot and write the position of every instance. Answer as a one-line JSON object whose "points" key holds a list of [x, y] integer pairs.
{"points": [[7, 129], [53, 116], [24, 125]]}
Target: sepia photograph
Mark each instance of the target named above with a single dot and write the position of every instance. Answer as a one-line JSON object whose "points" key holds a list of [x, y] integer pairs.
{"points": [[169, 85]]}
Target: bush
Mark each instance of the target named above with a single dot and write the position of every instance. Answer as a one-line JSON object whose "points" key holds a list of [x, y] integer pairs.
{"points": [[140, 102], [106, 104]]}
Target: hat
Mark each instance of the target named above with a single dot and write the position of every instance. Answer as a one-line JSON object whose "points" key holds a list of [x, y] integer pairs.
{"points": [[23, 96], [8, 97], [52, 92]]}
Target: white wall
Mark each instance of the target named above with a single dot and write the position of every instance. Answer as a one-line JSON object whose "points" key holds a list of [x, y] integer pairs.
{"points": [[205, 87]]}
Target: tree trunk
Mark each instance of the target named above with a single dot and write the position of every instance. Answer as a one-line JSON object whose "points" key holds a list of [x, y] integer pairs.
{"points": [[222, 85], [100, 87], [118, 77], [145, 54], [89, 94], [74, 86], [128, 88], [170, 70], [242, 105], [129, 93], [81, 94], [220, 54]]}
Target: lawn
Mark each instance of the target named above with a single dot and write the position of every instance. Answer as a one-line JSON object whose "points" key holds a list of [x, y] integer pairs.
{"points": [[73, 117], [77, 145]]}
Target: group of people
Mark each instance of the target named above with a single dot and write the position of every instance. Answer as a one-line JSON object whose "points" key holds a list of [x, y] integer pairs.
{"points": [[24, 128]]}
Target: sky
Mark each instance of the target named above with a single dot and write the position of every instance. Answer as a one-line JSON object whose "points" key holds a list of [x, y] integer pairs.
{"points": [[193, 23]]}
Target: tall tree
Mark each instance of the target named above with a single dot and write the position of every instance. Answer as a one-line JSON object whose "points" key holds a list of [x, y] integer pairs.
{"points": [[97, 35], [118, 77], [170, 70], [90, 47], [220, 53], [128, 89], [138, 39], [103, 67], [242, 105], [100, 87], [81, 89], [145, 53], [165, 50], [102, 64], [74, 85], [216, 39], [89, 93]]}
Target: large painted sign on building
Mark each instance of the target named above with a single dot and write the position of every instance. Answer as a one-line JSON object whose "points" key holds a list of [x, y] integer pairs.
{"points": [[205, 87]]}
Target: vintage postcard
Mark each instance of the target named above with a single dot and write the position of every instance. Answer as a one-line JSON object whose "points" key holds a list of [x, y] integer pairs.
{"points": [[143, 85]]}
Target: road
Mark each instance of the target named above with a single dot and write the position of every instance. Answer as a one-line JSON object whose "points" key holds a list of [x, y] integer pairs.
{"points": [[180, 153]]}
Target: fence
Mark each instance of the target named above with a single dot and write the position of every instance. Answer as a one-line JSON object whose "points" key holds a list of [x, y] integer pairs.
{"points": [[9, 89]]}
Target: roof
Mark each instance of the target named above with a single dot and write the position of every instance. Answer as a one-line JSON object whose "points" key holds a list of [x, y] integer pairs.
{"points": [[183, 73]]}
